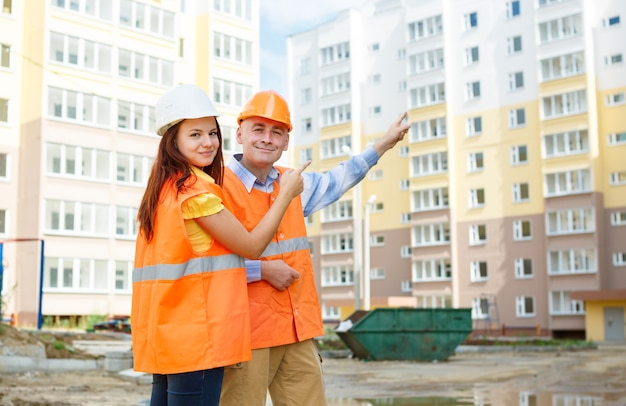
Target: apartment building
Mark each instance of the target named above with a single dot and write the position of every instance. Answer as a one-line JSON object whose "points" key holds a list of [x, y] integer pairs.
{"points": [[78, 83], [509, 195]]}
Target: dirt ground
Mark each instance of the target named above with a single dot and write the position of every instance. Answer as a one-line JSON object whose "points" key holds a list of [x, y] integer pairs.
{"points": [[589, 377]]}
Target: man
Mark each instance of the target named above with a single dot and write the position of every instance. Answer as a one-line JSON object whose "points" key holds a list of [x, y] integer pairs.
{"points": [[285, 314]]}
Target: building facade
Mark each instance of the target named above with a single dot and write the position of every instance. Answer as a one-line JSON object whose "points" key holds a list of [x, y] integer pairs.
{"points": [[78, 83], [509, 194]]}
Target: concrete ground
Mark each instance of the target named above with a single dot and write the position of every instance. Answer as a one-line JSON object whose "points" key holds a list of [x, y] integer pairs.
{"points": [[585, 377]]}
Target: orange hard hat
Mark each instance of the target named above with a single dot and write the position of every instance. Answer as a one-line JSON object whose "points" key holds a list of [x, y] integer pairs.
{"points": [[267, 104]]}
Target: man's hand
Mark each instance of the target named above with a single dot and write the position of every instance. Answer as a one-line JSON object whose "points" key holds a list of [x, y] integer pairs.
{"points": [[395, 133], [278, 274]]}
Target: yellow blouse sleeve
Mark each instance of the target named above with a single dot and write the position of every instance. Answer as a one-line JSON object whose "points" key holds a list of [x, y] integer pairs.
{"points": [[202, 205]]}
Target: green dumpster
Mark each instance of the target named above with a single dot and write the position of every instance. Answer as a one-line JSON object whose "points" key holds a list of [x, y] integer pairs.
{"points": [[405, 333]]}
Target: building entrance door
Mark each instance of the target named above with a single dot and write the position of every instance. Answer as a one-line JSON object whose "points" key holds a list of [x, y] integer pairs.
{"points": [[614, 323]]}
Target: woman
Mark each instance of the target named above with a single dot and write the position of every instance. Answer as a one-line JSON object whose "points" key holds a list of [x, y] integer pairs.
{"points": [[189, 308]]}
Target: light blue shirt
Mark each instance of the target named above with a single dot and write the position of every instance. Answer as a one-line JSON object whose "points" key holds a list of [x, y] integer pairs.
{"points": [[320, 189]]}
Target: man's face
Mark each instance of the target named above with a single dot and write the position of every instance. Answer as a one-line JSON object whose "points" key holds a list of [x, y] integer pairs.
{"points": [[263, 141]]}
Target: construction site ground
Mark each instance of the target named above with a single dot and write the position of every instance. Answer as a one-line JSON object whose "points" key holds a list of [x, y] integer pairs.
{"points": [[474, 376]]}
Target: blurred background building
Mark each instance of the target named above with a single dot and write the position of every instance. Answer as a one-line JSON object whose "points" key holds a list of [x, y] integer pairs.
{"points": [[508, 195]]}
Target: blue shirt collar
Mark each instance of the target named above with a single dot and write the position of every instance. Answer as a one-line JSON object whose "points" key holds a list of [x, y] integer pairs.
{"points": [[248, 179]]}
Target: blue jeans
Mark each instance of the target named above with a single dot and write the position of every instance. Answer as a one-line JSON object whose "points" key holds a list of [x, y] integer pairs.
{"points": [[201, 388]]}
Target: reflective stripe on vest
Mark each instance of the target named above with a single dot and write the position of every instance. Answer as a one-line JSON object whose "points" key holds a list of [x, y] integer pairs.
{"points": [[191, 267], [286, 246]]}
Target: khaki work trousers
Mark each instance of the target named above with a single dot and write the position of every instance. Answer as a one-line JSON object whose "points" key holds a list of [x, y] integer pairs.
{"points": [[292, 373]]}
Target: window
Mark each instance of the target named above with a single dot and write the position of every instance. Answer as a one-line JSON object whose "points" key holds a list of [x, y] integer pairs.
{"points": [[336, 115], [617, 178], [514, 44], [615, 99], [403, 151], [475, 162], [516, 80], [80, 107], [305, 96], [377, 240], [336, 243], [331, 313], [306, 154], [574, 261], [568, 182], [76, 218], [406, 286], [471, 55], [517, 118], [75, 274], [427, 95], [431, 234], [126, 222], [4, 229], [133, 169], [428, 27], [432, 270], [512, 9], [521, 192], [405, 218], [342, 275], [472, 90], [562, 66], [426, 61], [519, 155], [79, 52], [146, 18], [474, 126], [307, 125], [374, 78], [611, 21], [615, 59], [377, 273], [5, 56], [478, 271], [429, 199], [335, 53], [241, 9], [374, 47], [4, 110], [402, 86], [405, 251], [618, 218], [333, 147], [523, 268], [561, 303], [134, 116], [305, 66], [338, 211], [560, 28], [405, 184], [619, 259], [477, 234], [4, 166], [429, 164], [375, 174], [617, 138], [233, 93], [434, 128], [470, 20], [232, 48], [7, 7], [522, 230], [567, 143], [401, 53], [480, 308], [525, 306], [123, 275], [572, 221], [476, 198], [75, 161], [374, 111]]}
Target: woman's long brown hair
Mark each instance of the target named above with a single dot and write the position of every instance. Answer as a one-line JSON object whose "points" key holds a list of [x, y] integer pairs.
{"points": [[171, 164]]}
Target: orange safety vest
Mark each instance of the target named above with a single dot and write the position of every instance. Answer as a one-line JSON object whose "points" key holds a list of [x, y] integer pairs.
{"points": [[189, 310], [276, 317]]}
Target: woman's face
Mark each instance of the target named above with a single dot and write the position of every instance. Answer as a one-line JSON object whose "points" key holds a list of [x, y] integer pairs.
{"points": [[198, 141]]}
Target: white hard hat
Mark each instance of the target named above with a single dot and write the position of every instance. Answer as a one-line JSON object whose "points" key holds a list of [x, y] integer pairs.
{"points": [[182, 102]]}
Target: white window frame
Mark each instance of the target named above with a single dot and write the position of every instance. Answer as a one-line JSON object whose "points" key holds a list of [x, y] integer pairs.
{"points": [[521, 192], [426, 235], [475, 162], [477, 198], [566, 143], [517, 118], [617, 178], [519, 155], [570, 221], [426, 130], [514, 45], [472, 90], [431, 270], [516, 80], [619, 258], [479, 271], [474, 126], [615, 99], [562, 304], [522, 230], [430, 199], [568, 182], [477, 234], [523, 268], [618, 218], [617, 138], [429, 164], [470, 21], [521, 306]]}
